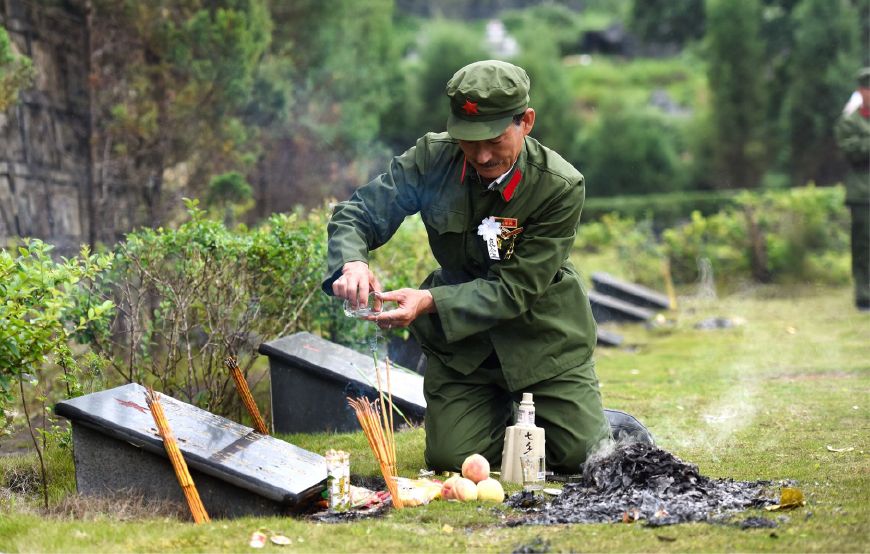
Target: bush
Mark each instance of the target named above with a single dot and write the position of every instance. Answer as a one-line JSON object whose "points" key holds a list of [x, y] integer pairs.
{"points": [[665, 209], [802, 226], [635, 245], [632, 152], [719, 238], [40, 311], [784, 236], [798, 234], [188, 297]]}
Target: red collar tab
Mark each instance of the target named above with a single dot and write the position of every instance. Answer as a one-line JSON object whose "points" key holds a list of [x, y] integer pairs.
{"points": [[865, 111], [508, 191], [470, 108], [464, 165]]}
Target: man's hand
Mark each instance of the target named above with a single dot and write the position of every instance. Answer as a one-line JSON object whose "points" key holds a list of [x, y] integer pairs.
{"points": [[355, 284], [412, 304]]}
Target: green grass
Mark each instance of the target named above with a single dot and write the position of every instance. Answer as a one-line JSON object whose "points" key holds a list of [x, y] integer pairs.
{"points": [[759, 401]]}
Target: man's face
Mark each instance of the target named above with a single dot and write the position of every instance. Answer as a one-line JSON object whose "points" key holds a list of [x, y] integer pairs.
{"points": [[492, 158], [865, 94]]}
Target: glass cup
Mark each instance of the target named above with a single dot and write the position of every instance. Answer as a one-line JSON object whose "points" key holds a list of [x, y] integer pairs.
{"points": [[533, 472], [372, 307]]}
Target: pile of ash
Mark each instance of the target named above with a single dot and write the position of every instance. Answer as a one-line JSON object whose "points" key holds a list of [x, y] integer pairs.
{"points": [[638, 481]]}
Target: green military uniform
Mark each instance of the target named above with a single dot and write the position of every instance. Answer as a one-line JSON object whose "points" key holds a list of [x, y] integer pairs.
{"points": [[853, 136], [509, 321]]}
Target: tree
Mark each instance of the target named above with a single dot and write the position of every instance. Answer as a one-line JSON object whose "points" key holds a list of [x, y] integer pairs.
{"points": [[556, 123], [444, 49], [821, 76], [735, 55], [173, 79], [631, 152], [667, 22], [345, 77]]}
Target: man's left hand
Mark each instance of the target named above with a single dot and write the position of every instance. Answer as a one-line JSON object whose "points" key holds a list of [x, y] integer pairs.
{"points": [[412, 304]]}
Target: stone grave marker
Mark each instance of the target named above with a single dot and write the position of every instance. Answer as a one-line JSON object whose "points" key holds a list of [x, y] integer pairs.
{"points": [[313, 377], [632, 293], [607, 308], [608, 338], [238, 472]]}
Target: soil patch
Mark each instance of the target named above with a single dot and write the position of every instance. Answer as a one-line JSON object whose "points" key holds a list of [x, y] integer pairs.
{"points": [[637, 481]]}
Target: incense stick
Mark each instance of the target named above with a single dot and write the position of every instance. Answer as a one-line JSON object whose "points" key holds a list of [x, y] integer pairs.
{"points": [[380, 441], [247, 397], [197, 509]]}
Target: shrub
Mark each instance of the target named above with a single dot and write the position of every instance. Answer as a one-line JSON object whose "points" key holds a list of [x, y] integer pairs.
{"points": [[40, 311], [801, 225], [188, 297], [636, 247], [632, 152], [796, 234], [666, 209], [775, 235], [719, 238]]}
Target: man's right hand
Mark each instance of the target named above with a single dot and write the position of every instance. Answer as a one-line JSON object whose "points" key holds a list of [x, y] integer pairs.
{"points": [[355, 284]]}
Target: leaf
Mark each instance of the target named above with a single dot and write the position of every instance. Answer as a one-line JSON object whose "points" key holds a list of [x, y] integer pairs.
{"points": [[790, 498], [845, 449]]}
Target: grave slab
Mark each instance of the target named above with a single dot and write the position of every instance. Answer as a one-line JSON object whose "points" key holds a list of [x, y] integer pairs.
{"points": [[238, 472], [313, 377], [607, 308], [632, 293], [608, 338]]}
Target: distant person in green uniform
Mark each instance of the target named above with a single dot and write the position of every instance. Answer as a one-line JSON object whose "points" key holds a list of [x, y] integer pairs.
{"points": [[853, 136], [506, 312]]}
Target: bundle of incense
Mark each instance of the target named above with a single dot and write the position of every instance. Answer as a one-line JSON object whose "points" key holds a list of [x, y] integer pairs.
{"points": [[245, 393], [197, 509], [380, 441]]}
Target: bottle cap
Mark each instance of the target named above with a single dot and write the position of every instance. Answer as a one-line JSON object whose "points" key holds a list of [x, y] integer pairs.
{"points": [[527, 397]]}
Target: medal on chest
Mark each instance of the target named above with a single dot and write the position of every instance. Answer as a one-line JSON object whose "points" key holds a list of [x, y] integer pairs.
{"points": [[495, 231]]}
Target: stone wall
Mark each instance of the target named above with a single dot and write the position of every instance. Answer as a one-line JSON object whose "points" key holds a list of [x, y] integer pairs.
{"points": [[44, 139]]}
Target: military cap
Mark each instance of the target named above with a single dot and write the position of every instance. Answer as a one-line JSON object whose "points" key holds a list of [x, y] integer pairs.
{"points": [[863, 77], [484, 97]]}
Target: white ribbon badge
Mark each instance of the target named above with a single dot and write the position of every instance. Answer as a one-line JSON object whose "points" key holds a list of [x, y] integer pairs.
{"points": [[490, 229]]}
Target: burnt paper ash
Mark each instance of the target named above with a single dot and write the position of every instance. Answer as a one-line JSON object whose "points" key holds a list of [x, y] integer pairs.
{"points": [[638, 481]]}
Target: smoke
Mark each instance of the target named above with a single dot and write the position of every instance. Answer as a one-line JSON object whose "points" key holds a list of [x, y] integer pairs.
{"points": [[717, 424]]}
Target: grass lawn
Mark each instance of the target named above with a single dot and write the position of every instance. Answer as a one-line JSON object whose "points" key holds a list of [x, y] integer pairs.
{"points": [[759, 401]]}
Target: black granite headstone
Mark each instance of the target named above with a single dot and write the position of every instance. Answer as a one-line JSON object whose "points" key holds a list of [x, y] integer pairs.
{"points": [[632, 293], [608, 308], [237, 471], [313, 377], [608, 338]]}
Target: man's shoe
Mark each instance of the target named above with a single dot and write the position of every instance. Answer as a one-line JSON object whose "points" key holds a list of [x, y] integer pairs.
{"points": [[626, 428]]}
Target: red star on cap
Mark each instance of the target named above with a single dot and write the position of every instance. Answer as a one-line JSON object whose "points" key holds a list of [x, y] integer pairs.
{"points": [[470, 107]]}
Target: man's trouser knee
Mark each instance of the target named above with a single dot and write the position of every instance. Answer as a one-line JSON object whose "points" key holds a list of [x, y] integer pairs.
{"points": [[467, 414]]}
